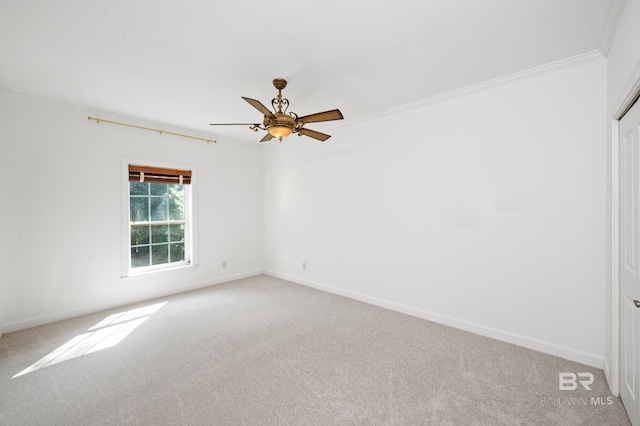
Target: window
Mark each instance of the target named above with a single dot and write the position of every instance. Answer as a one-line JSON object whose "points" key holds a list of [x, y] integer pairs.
{"points": [[159, 218]]}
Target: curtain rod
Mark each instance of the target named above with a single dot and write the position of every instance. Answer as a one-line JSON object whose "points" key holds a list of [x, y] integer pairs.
{"points": [[100, 120]]}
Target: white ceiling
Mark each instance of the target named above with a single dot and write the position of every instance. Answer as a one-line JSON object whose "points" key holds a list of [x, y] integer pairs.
{"points": [[187, 62]]}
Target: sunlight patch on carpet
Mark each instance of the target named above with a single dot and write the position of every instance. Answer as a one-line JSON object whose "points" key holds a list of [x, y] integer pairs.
{"points": [[106, 334]]}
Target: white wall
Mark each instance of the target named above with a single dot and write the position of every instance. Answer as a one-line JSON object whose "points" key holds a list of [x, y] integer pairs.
{"points": [[623, 74], [61, 221], [484, 211]]}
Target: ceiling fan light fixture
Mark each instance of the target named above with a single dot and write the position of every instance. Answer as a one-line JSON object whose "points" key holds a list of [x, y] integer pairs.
{"points": [[280, 124], [280, 131]]}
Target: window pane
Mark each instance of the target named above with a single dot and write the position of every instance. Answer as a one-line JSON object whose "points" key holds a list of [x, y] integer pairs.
{"points": [[139, 256], [137, 188], [160, 254], [176, 190], [159, 208], [159, 234], [139, 235], [158, 188], [139, 209], [176, 208], [177, 252], [176, 233]]}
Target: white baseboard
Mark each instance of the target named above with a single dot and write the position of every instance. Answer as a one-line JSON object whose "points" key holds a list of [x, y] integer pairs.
{"points": [[505, 336], [58, 316]]}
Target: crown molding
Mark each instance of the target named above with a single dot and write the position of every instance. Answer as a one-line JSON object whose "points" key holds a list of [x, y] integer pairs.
{"points": [[608, 33], [583, 58]]}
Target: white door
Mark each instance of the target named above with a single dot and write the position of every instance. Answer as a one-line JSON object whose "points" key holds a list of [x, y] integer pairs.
{"points": [[630, 263]]}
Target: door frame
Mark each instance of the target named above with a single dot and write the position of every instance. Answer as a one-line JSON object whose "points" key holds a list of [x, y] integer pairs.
{"points": [[631, 94]]}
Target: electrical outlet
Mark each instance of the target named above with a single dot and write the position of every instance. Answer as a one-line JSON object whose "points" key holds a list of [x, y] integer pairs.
{"points": [[224, 263], [304, 266]]}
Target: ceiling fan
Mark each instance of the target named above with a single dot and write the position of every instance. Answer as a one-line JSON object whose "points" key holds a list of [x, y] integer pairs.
{"points": [[279, 123]]}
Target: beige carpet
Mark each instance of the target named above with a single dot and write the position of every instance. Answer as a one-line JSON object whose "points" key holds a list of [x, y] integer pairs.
{"points": [[264, 351]]}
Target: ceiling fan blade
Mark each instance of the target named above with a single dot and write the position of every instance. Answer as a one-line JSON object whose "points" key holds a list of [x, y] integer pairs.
{"points": [[313, 134], [258, 105], [267, 137], [234, 124], [322, 116]]}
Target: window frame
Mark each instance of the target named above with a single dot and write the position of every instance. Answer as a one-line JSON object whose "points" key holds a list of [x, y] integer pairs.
{"points": [[190, 229]]}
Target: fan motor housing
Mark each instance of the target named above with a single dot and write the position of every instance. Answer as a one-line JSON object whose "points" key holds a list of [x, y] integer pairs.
{"points": [[280, 119]]}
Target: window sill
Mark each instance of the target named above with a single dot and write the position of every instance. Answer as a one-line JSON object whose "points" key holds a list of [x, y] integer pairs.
{"points": [[169, 270]]}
